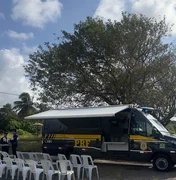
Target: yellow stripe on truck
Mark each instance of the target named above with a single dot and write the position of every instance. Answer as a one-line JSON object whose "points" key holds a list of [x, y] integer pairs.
{"points": [[138, 137], [77, 136], [92, 136]]}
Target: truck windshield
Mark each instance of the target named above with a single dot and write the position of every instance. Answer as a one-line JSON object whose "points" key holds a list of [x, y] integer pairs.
{"points": [[157, 124]]}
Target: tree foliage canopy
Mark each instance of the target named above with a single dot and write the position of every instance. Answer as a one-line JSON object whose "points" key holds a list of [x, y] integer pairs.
{"points": [[13, 117], [6, 115], [25, 106], [112, 63]]}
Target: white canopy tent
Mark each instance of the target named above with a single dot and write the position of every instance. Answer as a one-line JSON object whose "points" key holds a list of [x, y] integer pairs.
{"points": [[106, 111]]}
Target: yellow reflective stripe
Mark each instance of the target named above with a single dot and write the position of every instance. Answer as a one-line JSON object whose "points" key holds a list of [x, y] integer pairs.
{"points": [[77, 136], [138, 137], [93, 136]]}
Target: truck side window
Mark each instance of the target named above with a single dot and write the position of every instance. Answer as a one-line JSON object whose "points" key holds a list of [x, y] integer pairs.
{"points": [[138, 128], [149, 128], [141, 127]]}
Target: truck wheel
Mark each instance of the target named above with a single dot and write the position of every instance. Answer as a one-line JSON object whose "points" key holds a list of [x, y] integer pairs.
{"points": [[162, 162]]}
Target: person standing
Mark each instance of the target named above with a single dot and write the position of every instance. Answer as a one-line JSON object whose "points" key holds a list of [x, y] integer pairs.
{"points": [[5, 143], [14, 142]]}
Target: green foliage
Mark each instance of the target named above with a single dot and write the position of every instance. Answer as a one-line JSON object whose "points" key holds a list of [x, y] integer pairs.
{"points": [[6, 116], [23, 132], [9, 119], [14, 124], [29, 127], [25, 107], [109, 63]]}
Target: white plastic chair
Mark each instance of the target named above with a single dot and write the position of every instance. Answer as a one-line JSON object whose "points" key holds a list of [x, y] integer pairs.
{"points": [[33, 156], [38, 156], [77, 163], [48, 170], [65, 168], [20, 155], [10, 166], [22, 168], [6, 155], [62, 157], [48, 157], [2, 168], [23, 155], [34, 170], [89, 167]]}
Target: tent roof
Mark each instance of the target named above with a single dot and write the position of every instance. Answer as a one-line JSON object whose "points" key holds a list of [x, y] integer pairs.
{"points": [[106, 111]]}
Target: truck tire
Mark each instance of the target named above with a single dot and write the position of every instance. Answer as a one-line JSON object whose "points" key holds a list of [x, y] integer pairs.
{"points": [[162, 162]]}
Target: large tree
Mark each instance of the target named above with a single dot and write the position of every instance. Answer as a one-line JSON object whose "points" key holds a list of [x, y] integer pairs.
{"points": [[112, 63]]}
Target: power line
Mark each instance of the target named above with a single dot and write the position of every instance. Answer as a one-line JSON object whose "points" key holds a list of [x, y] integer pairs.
{"points": [[12, 94]]}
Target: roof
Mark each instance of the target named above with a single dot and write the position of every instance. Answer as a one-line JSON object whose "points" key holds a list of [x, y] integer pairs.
{"points": [[105, 111]]}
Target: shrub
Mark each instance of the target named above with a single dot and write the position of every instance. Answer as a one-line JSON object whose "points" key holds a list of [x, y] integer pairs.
{"points": [[29, 127], [14, 125], [22, 132]]}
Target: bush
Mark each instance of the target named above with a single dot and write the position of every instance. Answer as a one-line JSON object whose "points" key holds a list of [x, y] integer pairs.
{"points": [[14, 125], [29, 127], [24, 133]]}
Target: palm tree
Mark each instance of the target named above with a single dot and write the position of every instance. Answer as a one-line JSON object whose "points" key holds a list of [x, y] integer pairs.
{"points": [[25, 106]]}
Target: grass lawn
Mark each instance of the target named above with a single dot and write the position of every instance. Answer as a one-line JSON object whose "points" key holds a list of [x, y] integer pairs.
{"points": [[28, 143]]}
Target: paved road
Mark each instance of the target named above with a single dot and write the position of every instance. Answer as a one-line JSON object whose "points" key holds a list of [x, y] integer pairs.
{"points": [[123, 171]]}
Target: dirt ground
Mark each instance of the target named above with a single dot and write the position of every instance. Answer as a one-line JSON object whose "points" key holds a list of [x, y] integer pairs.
{"points": [[129, 171], [110, 170]]}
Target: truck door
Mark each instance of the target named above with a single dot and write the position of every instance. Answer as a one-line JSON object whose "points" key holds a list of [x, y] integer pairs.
{"points": [[115, 136], [141, 137]]}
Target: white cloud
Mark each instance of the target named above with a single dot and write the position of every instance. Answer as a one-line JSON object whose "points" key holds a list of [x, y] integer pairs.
{"points": [[110, 9], [36, 13], [29, 50], [12, 79], [23, 36], [152, 8], [157, 9], [2, 15], [26, 50]]}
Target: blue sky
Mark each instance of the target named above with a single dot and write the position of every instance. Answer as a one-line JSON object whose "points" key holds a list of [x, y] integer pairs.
{"points": [[25, 24], [71, 12]]}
